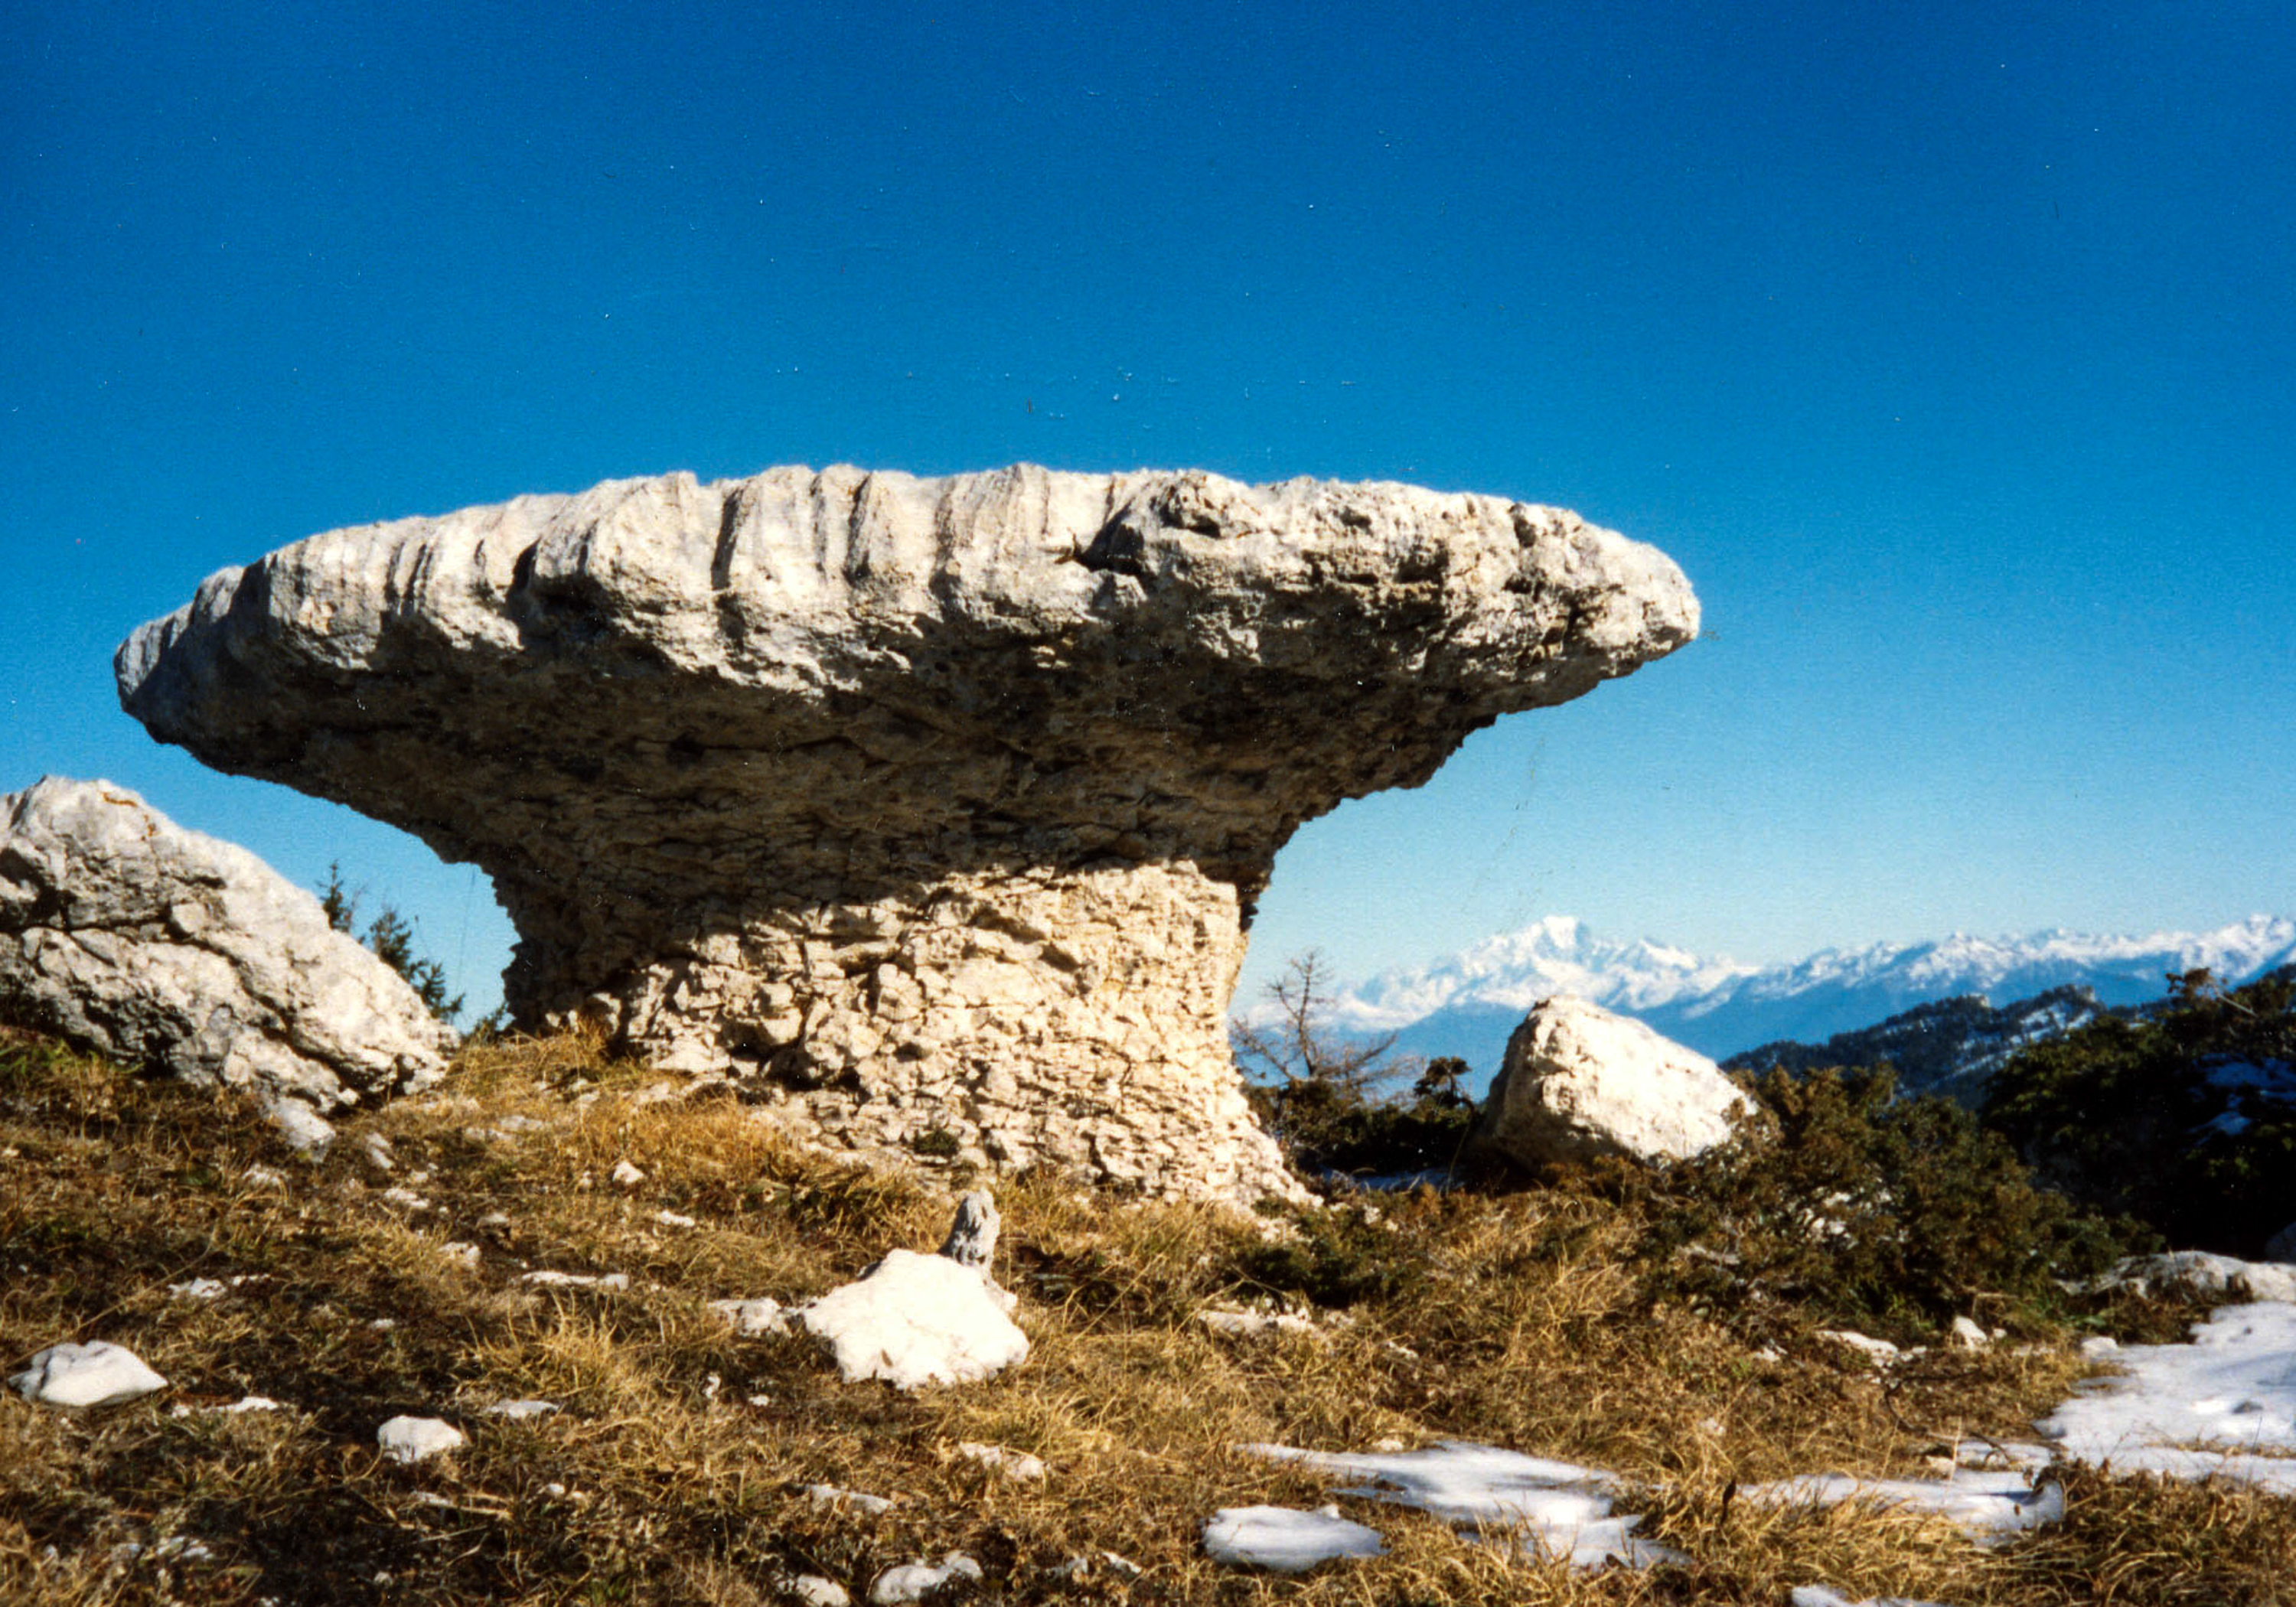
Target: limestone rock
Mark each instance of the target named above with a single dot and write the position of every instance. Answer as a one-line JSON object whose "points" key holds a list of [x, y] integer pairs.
{"points": [[936, 809], [914, 1320], [1578, 1082], [98, 1373], [972, 1239], [129, 936], [411, 1439]]}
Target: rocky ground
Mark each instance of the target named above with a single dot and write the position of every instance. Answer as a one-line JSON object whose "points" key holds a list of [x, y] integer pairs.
{"points": [[543, 1335]]}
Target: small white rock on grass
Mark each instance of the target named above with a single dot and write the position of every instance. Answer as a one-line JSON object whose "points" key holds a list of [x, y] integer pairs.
{"points": [[1251, 1325], [406, 1440], [914, 1581], [996, 1459], [98, 1373], [520, 1411], [840, 1499], [1284, 1539], [625, 1176], [1880, 1352], [811, 1590], [577, 1279], [307, 1132]]}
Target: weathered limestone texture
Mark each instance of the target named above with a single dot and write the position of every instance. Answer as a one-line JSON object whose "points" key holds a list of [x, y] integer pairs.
{"points": [[126, 934], [1579, 1082], [936, 808]]}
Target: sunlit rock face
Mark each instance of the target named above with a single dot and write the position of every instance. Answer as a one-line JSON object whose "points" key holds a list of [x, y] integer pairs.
{"points": [[933, 808], [130, 936]]}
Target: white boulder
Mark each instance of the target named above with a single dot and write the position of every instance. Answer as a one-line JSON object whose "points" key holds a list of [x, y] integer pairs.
{"points": [[1579, 1082], [411, 1439], [914, 1320], [98, 1373], [129, 936]]}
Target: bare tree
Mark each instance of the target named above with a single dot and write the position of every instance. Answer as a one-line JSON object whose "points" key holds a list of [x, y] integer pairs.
{"points": [[1299, 1047]]}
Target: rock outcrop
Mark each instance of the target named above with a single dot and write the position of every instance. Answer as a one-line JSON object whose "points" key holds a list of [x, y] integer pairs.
{"points": [[934, 808], [1578, 1084], [127, 935]]}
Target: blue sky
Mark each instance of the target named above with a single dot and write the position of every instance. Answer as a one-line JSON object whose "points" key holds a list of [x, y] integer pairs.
{"points": [[1951, 350]]}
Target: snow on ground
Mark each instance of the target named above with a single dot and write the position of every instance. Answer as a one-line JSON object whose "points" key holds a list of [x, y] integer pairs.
{"points": [[1284, 1539], [1989, 1505], [2224, 1404], [2221, 1405], [1559, 1506]]}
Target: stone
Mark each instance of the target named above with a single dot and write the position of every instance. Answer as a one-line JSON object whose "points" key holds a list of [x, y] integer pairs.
{"points": [[914, 1320], [98, 1373], [916, 1581], [972, 1239], [406, 1440], [131, 937], [934, 810], [1579, 1082]]}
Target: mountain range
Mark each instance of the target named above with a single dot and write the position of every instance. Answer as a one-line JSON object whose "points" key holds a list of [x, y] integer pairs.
{"points": [[1466, 1003]]}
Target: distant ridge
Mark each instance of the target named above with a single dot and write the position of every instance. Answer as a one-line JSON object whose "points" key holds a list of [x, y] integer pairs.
{"points": [[1949, 1046], [1466, 1003]]}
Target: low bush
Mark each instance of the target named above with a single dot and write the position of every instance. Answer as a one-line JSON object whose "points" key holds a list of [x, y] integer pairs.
{"points": [[1891, 1216], [2186, 1120]]}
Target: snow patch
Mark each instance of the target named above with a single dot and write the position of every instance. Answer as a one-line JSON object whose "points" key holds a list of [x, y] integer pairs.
{"points": [[1284, 1539]]}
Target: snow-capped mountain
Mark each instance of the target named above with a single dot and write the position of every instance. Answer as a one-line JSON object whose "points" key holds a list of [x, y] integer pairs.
{"points": [[1467, 1003]]}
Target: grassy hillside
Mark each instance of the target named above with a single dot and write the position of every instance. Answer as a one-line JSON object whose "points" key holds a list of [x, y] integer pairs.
{"points": [[677, 1467]]}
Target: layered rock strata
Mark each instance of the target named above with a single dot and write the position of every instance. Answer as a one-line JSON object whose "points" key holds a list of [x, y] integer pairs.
{"points": [[936, 808], [129, 935]]}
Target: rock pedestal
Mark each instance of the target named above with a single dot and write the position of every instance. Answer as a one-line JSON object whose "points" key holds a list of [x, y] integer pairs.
{"points": [[934, 808]]}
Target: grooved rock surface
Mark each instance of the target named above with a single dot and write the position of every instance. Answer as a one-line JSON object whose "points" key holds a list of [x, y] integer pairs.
{"points": [[936, 808], [1579, 1083], [129, 935]]}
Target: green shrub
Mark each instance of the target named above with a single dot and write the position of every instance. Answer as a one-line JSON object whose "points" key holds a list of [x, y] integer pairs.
{"points": [[1891, 1216], [2150, 1118], [1333, 1102], [391, 936]]}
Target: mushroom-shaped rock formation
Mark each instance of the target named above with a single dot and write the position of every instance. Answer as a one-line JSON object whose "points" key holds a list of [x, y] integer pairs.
{"points": [[935, 807]]}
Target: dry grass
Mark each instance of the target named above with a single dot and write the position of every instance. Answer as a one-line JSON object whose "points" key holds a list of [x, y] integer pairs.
{"points": [[675, 1472]]}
